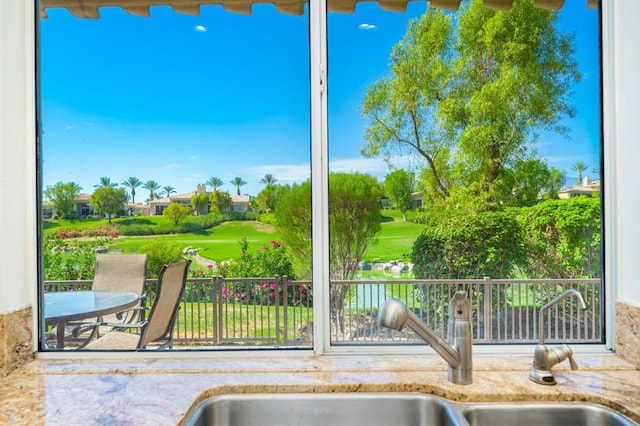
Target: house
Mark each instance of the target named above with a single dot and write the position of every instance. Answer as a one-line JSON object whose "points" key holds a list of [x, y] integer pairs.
{"points": [[239, 203], [587, 187], [82, 208]]}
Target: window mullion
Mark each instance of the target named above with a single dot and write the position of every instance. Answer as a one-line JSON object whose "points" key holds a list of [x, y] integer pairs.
{"points": [[319, 175]]}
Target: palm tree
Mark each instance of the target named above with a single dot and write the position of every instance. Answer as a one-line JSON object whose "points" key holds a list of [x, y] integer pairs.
{"points": [[579, 168], [105, 182], [132, 183], [168, 190], [215, 182], [269, 180], [152, 186], [238, 182]]}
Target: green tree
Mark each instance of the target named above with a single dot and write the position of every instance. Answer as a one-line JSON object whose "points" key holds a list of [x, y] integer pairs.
{"points": [[480, 89], [105, 182], [152, 186], [108, 200], [62, 196], [398, 186], [238, 182], [215, 182], [132, 183], [354, 221], [531, 178], [556, 181], [200, 203], [579, 168], [267, 199], [168, 190], [176, 212], [220, 201], [268, 180]]}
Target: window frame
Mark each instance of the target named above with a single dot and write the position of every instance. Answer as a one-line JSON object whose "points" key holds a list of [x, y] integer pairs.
{"points": [[318, 53]]}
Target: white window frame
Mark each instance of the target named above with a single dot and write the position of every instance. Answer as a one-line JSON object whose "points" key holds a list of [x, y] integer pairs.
{"points": [[320, 202]]}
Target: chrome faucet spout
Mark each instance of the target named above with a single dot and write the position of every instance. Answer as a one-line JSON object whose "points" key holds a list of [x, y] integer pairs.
{"points": [[570, 292], [545, 358], [457, 353]]}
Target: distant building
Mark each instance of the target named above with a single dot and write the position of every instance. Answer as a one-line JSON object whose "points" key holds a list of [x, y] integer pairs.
{"points": [[239, 203], [587, 187], [82, 208]]}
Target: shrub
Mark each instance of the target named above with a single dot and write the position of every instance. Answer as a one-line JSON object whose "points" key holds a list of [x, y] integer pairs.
{"points": [[563, 238], [268, 261], [160, 251], [65, 259], [468, 245]]}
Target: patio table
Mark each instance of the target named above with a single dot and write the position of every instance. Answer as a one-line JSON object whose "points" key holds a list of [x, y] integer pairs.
{"points": [[61, 307]]}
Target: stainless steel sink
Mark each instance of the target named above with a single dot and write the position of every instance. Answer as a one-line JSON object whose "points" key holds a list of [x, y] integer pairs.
{"points": [[549, 414], [323, 409], [302, 409]]}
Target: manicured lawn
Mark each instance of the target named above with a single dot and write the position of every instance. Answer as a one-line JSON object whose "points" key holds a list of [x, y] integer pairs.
{"points": [[219, 243], [244, 322], [394, 241]]}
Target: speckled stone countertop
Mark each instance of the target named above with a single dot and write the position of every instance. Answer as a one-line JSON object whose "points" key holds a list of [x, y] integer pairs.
{"points": [[161, 391]]}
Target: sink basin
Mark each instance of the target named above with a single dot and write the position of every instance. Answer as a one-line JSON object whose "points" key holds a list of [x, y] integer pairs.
{"points": [[303, 409], [549, 414]]}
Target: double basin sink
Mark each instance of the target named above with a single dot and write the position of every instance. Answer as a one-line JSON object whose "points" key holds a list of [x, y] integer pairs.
{"points": [[398, 409]]}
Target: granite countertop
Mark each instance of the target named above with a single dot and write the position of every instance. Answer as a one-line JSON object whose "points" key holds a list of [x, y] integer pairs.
{"points": [[161, 391]]}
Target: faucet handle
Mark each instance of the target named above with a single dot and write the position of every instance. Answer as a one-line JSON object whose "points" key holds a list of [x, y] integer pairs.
{"points": [[572, 362], [559, 354]]}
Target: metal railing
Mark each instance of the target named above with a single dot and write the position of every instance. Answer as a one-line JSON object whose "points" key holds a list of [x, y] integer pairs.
{"points": [[277, 311]]}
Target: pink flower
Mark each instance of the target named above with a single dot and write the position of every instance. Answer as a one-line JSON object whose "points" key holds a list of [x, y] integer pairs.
{"points": [[275, 243], [272, 286], [209, 266], [113, 235], [303, 288], [63, 234], [272, 294], [223, 272]]}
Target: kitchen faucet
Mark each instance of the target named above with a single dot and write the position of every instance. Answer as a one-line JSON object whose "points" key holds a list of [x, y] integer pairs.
{"points": [[545, 358], [457, 353]]}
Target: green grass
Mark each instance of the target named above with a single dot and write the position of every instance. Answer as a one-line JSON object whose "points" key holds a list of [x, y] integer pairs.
{"points": [[394, 241], [242, 321], [219, 243]]}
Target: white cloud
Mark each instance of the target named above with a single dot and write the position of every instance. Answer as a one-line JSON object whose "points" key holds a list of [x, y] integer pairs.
{"points": [[367, 27], [290, 173], [172, 166], [201, 28], [285, 173]]}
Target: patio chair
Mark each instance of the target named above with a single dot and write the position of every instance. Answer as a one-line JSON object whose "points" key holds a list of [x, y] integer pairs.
{"points": [[158, 330], [114, 272]]}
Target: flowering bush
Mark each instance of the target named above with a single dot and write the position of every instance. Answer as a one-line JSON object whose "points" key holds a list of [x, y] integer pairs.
{"points": [[270, 260], [66, 259]]}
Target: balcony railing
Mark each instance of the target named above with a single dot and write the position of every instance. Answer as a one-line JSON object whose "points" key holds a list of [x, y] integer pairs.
{"points": [[278, 312]]}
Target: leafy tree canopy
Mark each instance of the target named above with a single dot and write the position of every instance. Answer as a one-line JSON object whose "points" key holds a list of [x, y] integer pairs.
{"points": [[108, 200], [176, 212], [398, 187], [467, 97], [62, 195]]}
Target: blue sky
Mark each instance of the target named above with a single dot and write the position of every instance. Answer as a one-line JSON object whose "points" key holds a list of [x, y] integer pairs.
{"points": [[179, 99]]}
